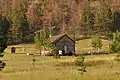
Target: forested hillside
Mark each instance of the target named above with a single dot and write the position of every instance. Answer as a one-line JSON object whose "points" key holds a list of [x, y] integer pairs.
{"points": [[74, 17]]}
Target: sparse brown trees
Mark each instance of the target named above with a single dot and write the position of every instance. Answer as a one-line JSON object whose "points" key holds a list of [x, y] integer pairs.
{"points": [[73, 17]]}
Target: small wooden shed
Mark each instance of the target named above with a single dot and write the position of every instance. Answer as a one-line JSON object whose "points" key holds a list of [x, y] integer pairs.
{"points": [[65, 43]]}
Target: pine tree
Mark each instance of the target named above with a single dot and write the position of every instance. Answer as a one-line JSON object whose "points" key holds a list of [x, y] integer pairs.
{"points": [[4, 26], [24, 24], [19, 24], [88, 18], [103, 19]]}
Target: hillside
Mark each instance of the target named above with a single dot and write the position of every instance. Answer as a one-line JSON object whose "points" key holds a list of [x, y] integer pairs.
{"points": [[73, 17]]}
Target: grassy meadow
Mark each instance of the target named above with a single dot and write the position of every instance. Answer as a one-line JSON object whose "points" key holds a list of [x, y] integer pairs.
{"points": [[21, 67], [81, 45]]}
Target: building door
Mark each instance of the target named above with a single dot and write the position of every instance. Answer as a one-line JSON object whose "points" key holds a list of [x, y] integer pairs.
{"points": [[65, 49]]}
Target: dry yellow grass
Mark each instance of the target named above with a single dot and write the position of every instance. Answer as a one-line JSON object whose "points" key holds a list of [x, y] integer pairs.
{"points": [[81, 45], [85, 45], [20, 67], [23, 48]]}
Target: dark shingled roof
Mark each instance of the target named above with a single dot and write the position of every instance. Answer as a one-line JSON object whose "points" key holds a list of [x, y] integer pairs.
{"points": [[53, 39]]}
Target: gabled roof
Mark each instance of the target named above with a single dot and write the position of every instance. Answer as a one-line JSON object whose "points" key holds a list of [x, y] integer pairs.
{"points": [[56, 38]]}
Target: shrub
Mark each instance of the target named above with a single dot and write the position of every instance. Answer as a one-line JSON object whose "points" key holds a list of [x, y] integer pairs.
{"points": [[96, 43], [117, 58], [80, 61], [115, 44], [55, 53]]}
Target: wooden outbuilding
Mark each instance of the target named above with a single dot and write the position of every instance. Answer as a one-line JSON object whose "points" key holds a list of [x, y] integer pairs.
{"points": [[64, 43]]}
